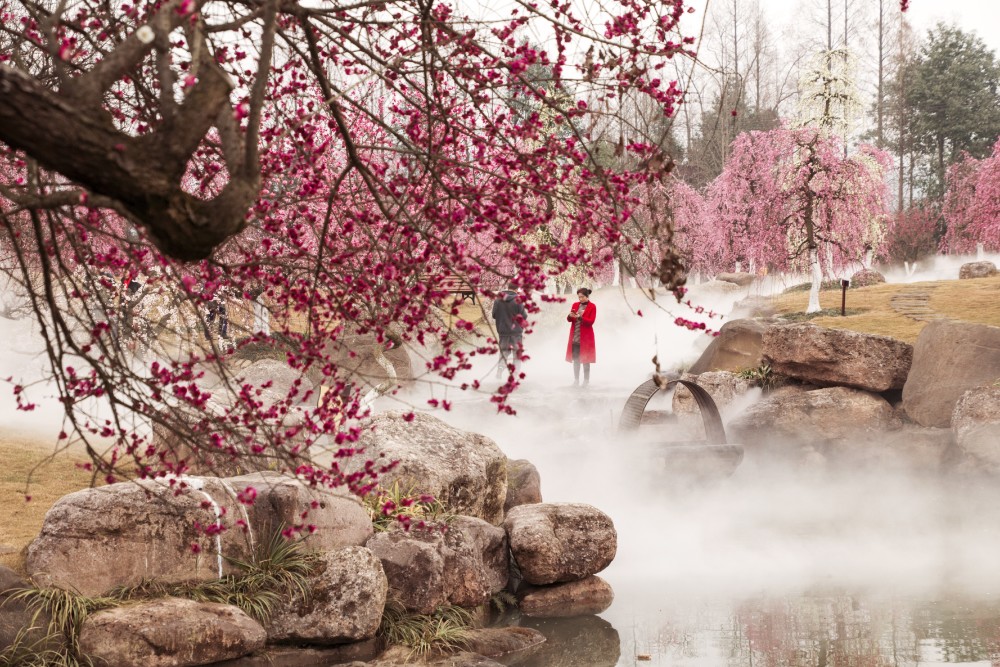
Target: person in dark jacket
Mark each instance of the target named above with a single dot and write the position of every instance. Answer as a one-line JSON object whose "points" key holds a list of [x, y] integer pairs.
{"points": [[510, 317]]}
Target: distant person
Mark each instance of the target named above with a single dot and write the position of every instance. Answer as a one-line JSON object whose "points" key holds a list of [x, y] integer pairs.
{"points": [[581, 349], [510, 317]]}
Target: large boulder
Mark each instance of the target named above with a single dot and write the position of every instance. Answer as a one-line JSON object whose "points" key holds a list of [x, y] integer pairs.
{"points": [[977, 270], [738, 346], [524, 484], [466, 472], [976, 423], [725, 388], [827, 357], [118, 535], [911, 449], [327, 519], [345, 600], [866, 278], [949, 358], [816, 417], [555, 542], [170, 632], [464, 564], [587, 596], [740, 278]]}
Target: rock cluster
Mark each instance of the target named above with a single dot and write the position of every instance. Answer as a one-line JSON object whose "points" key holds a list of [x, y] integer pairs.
{"points": [[863, 399], [497, 536]]}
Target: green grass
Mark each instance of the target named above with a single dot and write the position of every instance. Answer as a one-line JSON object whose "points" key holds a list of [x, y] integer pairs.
{"points": [[278, 573], [445, 629]]}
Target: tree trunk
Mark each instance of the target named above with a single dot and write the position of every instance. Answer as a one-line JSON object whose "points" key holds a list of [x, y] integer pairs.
{"points": [[817, 280]]}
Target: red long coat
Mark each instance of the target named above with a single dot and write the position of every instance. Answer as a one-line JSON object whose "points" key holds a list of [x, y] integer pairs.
{"points": [[588, 351]]}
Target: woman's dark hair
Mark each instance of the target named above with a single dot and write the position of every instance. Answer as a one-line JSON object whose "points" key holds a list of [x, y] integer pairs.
{"points": [[584, 291]]}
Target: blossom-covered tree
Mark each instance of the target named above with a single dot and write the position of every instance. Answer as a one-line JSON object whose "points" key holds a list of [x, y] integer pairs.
{"points": [[911, 236], [786, 194], [971, 208], [336, 164]]}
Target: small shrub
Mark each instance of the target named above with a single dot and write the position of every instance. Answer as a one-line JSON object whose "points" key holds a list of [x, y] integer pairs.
{"points": [[394, 506], [763, 376]]}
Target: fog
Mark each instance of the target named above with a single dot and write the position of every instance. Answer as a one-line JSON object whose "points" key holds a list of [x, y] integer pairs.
{"points": [[772, 528]]}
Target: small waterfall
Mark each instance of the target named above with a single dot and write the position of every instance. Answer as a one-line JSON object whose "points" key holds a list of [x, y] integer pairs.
{"points": [[243, 508], [198, 484]]}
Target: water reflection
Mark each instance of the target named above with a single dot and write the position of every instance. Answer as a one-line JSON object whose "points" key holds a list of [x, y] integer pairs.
{"points": [[571, 642], [811, 630]]}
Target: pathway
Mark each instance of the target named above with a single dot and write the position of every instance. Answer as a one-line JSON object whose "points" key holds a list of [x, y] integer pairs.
{"points": [[914, 303]]}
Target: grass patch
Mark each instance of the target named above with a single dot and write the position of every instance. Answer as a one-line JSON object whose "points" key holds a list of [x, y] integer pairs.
{"points": [[976, 301], [445, 629], [51, 477], [278, 573]]}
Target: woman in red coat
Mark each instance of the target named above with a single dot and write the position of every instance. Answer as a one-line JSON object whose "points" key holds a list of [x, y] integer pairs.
{"points": [[581, 349]]}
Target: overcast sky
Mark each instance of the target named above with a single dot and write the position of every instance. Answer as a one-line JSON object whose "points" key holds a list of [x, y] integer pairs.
{"points": [[979, 16]]}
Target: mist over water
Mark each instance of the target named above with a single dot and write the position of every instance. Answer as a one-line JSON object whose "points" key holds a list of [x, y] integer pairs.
{"points": [[698, 557]]}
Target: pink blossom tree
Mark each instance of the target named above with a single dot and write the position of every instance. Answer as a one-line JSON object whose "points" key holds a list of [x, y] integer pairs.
{"points": [[338, 164], [786, 194], [971, 208]]}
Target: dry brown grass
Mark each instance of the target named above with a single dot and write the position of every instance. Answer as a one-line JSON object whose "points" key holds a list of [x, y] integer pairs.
{"points": [[27, 464], [975, 301]]}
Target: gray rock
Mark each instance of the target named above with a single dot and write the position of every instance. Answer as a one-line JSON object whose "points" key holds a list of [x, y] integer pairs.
{"points": [[345, 602], [828, 357], [949, 358], [96, 539], [725, 388], [524, 484], [737, 278], [976, 424], [977, 270], [462, 565], [345, 655], [818, 417], [555, 542], [866, 278], [737, 346], [587, 596], [338, 517], [911, 449], [464, 471], [169, 632]]}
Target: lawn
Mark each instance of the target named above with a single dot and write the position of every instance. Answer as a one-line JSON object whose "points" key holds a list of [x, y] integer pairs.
{"points": [[966, 300], [50, 479]]}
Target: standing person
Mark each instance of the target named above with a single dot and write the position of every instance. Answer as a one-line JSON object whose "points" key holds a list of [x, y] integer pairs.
{"points": [[510, 316], [581, 349]]}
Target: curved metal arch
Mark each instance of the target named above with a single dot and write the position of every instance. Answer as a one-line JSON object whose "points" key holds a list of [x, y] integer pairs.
{"points": [[635, 406]]}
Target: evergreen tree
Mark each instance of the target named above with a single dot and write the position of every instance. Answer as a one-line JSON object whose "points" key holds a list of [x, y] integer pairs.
{"points": [[954, 101]]}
